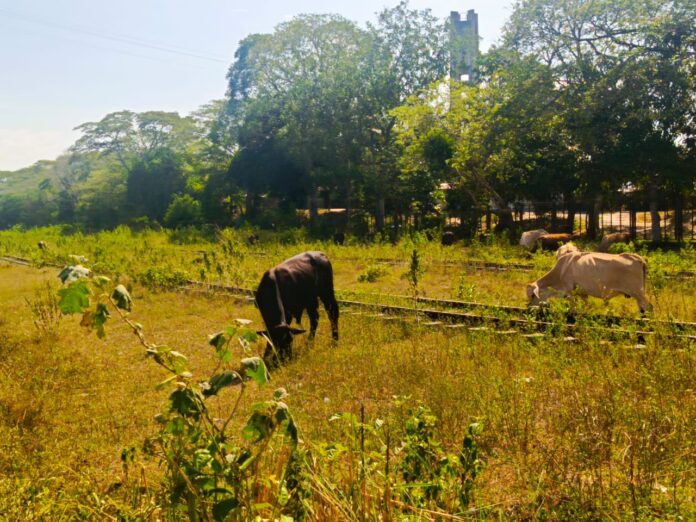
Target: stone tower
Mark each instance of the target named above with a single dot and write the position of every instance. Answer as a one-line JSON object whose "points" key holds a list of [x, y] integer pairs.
{"points": [[464, 45]]}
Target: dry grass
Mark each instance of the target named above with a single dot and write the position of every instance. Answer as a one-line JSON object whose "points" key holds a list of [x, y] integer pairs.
{"points": [[585, 430]]}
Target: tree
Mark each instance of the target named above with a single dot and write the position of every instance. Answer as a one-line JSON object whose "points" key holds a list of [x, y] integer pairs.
{"points": [[409, 52], [625, 80], [298, 89]]}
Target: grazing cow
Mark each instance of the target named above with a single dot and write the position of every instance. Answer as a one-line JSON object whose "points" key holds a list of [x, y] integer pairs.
{"points": [[593, 274], [42, 245], [286, 291], [529, 239], [252, 239], [447, 239], [611, 239]]}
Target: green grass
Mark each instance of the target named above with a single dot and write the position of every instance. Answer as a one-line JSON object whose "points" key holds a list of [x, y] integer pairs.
{"points": [[587, 430]]}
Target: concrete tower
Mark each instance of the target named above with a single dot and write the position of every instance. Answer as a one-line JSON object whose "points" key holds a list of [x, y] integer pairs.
{"points": [[464, 45]]}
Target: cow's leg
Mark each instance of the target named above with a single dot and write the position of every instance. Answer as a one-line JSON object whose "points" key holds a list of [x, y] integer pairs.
{"points": [[643, 304], [331, 307], [313, 314]]}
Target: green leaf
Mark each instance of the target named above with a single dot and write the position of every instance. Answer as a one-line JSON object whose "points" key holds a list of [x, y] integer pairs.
{"points": [[101, 281], [72, 273], [122, 298], [74, 299], [165, 382], [222, 380], [178, 361], [249, 336], [222, 509], [259, 426], [218, 340], [255, 369], [183, 401], [100, 317]]}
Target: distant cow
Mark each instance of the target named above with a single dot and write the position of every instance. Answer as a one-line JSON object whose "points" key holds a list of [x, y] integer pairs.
{"points": [[287, 290], [447, 239], [529, 239], [611, 239], [252, 239], [42, 245], [593, 274], [554, 241], [339, 238]]}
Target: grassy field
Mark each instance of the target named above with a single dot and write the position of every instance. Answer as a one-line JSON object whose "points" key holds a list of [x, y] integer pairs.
{"points": [[585, 430]]}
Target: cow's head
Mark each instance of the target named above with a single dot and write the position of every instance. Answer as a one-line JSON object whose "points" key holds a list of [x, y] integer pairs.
{"points": [[280, 340], [568, 248], [533, 294]]}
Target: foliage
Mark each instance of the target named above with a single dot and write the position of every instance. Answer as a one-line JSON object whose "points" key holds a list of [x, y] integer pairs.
{"points": [[183, 211], [372, 273], [428, 471], [207, 475]]}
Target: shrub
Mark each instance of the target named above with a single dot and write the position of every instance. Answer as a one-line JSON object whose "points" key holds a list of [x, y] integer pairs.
{"points": [[621, 248], [372, 274], [183, 211]]}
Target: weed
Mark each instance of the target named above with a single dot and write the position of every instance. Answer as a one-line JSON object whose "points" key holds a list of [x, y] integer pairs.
{"points": [[372, 274], [45, 311]]}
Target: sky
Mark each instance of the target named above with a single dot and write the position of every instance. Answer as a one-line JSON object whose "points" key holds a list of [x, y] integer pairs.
{"points": [[66, 62]]}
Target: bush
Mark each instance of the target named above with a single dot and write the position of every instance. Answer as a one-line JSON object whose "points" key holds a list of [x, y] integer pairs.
{"points": [[372, 273], [621, 248], [183, 211]]}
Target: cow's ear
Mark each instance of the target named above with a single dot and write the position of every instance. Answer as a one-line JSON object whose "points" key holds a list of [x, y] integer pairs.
{"points": [[296, 331]]}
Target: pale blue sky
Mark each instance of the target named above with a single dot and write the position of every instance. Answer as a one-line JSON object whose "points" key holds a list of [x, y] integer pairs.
{"points": [[65, 62]]}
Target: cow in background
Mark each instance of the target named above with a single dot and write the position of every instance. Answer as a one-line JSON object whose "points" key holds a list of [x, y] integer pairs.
{"points": [[593, 274], [530, 237], [286, 291], [554, 241], [447, 238]]}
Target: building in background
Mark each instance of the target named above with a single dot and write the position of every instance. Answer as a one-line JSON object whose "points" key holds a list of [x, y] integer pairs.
{"points": [[464, 42]]}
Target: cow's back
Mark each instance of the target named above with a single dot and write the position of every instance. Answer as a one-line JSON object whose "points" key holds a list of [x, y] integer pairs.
{"points": [[620, 272], [302, 278]]}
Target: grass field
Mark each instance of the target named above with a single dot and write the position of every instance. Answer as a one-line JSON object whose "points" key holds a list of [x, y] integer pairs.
{"points": [[585, 430]]}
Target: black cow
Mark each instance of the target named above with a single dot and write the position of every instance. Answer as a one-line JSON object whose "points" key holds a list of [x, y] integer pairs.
{"points": [[447, 238], [287, 290]]}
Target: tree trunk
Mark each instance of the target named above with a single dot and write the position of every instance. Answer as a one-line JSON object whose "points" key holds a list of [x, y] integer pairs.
{"points": [[632, 222], [379, 216], [655, 229], [570, 218], [349, 203], [505, 220], [313, 206], [593, 221], [249, 204]]}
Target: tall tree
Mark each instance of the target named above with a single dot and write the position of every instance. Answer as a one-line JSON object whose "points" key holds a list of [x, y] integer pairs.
{"points": [[624, 72]]}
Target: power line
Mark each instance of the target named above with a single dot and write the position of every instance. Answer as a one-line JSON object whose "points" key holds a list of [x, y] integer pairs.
{"points": [[115, 37]]}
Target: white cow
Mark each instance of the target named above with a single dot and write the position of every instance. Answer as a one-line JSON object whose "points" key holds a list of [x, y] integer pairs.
{"points": [[529, 239], [592, 274]]}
